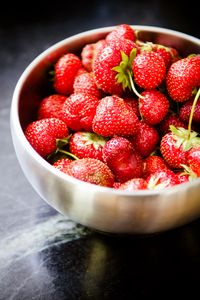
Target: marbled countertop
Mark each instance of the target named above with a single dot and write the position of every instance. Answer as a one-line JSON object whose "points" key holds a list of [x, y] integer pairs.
{"points": [[44, 255]]}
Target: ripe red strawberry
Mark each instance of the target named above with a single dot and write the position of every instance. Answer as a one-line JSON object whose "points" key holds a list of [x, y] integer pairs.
{"points": [[173, 147], [110, 66], [87, 56], [152, 164], [84, 83], [133, 185], [168, 54], [185, 111], [51, 106], [134, 104], [79, 110], [91, 170], [122, 159], [87, 144], [114, 117], [43, 134], [170, 119], [65, 70], [62, 163], [149, 69], [88, 53], [153, 106], [183, 178], [183, 77], [124, 31], [194, 160], [146, 139], [162, 179]]}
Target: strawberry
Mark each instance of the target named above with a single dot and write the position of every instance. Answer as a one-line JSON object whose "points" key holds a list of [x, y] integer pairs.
{"points": [[65, 71], [88, 53], [194, 160], [122, 159], [174, 146], [168, 54], [149, 69], [84, 83], [114, 117], [91, 170], [87, 56], [170, 119], [110, 66], [183, 78], [183, 178], [122, 31], [146, 139], [87, 144], [133, 103], [186, 174], [153, 106], [51, 106], [185, 111], [133, 185], [152, 164], [78, 111], [43, 135], [62, 163], [162, 179]]}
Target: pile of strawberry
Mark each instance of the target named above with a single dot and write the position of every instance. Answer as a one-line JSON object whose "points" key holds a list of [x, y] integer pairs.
{"points": [[124, 114]]}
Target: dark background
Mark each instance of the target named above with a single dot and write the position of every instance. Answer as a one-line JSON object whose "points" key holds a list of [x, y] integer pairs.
{"points": [[43, 256]]}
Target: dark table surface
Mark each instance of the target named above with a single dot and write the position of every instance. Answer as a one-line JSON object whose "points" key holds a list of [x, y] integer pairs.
{"points": [[44, 255]]}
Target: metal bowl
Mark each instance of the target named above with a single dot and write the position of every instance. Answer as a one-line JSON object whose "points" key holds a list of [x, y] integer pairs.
{"points": [[100, 208]]}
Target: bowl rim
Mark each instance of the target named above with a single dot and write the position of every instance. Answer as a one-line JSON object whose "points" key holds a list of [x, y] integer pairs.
{"points": [[15, 121]]}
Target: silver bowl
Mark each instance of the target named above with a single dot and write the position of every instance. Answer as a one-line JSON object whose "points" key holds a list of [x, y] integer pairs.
{"points": [[100, 208]]}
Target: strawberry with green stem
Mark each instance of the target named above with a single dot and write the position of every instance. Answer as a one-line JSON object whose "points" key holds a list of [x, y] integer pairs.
{"points": [[48, 137], [176, 144], [110, 65], [87, 144], [162, 179]]}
